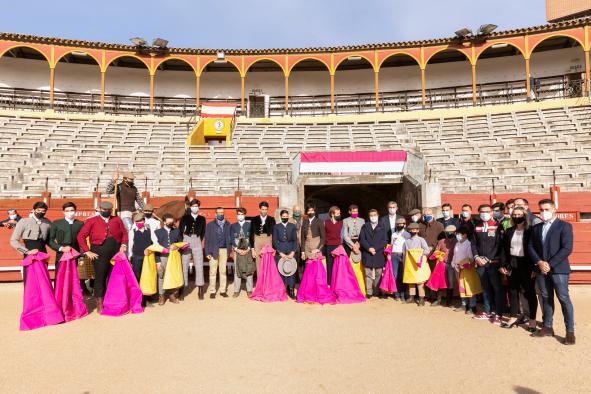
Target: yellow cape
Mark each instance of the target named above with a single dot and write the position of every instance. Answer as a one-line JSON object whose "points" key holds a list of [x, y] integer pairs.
{"points": [[148, 276], [173, 274], [412, 272]]}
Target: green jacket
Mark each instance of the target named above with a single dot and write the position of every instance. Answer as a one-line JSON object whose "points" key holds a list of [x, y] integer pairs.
{"points": [[61, 234]]}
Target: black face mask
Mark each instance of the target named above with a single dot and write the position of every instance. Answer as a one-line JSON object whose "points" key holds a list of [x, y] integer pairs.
{"points": [[399, 228], [106, 214], [147, 215], [129, 183], [311, 215], [414, 234], [337, 218], [39, 215], [284, 220], [169, 225], [519, 220], [450, 235]]}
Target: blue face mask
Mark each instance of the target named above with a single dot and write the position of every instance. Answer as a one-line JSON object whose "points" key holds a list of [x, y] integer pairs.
{"points": [[220, 217], [497, 215], [428, 218]]}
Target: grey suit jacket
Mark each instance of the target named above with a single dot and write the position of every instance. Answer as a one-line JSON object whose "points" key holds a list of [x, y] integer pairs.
{"points": [[352, 229]]}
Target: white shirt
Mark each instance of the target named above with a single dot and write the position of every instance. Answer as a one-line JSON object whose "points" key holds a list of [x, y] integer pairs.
{"points": [[70, 221], [516, 248], [392, 219], [546, 227], [398, 239], [263, 219]]}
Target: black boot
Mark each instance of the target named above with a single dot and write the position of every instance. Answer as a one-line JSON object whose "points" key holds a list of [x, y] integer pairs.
{"points": [[201, 293], [290, 293]]}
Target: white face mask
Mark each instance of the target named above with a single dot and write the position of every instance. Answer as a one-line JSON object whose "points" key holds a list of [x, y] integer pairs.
{"points": [[485, 216], [392, 211], [510, 211], [459, 237], [465, 214], [240, 218], [194, 209], [12, 217], [415, 218], [69, 215], [546, 215], [373, 219], [446, 214]]}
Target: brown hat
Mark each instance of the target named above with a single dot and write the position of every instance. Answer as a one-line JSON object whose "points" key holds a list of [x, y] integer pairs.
{"points": [[128, 175], [450, 228], [401, 221], [105, 205], [138, 217], [413, 226], [414, 212], [148, 207]]}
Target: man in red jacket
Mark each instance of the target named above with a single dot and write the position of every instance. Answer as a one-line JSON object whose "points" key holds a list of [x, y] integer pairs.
{"points": [[107, 236]]}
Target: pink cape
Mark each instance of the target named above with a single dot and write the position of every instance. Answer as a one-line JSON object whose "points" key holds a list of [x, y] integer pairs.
{"points": [[313, 287], [438, 279], [388, 282], [68, 294], [343, 281], [123, 293], [270, 287], [39, 306]]}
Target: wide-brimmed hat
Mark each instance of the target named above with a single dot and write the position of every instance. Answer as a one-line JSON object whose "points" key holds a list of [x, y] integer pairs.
{"points": [[148, 207], [128, 175], [356, 258], [287, 267]]}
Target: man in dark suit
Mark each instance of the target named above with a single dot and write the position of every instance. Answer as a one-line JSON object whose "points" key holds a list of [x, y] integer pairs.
{"points": [[373, 239], [285, 243], [550, 245], [389, 220]]}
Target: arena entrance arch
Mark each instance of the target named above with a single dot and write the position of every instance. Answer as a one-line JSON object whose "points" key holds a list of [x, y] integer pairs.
{"points": [[367, 179]]}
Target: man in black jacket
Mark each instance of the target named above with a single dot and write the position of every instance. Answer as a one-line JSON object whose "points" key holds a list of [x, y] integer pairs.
{"points": [[192, 228], [486, 247], [262, 230]]}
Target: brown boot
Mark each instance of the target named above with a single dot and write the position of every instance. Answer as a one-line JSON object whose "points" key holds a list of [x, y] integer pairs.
{"points": [[173, 298], [182, 294], [544, 332], [161, 299], [569, 339], [99, 305]]}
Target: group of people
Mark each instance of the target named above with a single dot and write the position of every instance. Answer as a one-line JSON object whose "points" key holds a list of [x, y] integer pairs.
{"points": [[506, 255]]}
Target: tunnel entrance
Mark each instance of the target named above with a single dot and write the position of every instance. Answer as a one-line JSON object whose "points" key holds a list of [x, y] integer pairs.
{"points": [[366, 196]]}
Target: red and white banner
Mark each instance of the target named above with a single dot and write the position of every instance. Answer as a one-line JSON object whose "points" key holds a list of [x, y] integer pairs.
{"points": [[352, 162], [217, 110]]}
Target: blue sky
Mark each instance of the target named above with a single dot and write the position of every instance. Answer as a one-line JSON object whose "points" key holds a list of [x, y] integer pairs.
{"points": [[264, 23]]}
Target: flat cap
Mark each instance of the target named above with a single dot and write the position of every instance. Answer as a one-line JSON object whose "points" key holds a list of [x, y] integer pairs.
{"points": [[413, 226], [415, 212], [105, 205], [450, 228], [401, 221], [138, 217], [148, 207]]}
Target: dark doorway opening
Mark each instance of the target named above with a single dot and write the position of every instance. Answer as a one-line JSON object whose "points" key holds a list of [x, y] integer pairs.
{"points": [[366, 196]]}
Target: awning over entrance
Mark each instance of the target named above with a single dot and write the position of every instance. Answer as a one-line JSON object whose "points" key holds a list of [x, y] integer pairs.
{"points": [[386, 162]]}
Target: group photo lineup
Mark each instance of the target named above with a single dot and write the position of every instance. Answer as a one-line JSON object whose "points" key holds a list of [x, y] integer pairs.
{"points": [[351, 186]]}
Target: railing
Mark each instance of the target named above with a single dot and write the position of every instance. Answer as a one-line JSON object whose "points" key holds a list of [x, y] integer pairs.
{"points": [[450, 97]]}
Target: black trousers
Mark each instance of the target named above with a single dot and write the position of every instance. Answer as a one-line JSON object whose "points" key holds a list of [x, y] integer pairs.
{"points": [[521, 280], [328, 249], [136, 265], [33, 244], [102, 264]]}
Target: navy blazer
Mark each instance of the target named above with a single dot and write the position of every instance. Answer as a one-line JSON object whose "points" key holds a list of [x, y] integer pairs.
{"points": [[385, 221], [235, 233], [285, 238], [556, 248], [373, 238], [165, 240], [211, 240]]}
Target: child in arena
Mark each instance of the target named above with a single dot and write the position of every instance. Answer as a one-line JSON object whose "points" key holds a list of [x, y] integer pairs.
{"points": [[463, 262], [416, 267]]}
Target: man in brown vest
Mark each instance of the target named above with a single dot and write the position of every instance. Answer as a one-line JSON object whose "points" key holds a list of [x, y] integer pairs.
{"points": [[127, 197]]}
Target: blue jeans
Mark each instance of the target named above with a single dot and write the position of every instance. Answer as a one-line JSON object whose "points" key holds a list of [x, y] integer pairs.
{"points": [[548, 285], [398, 269], [491, 284], [471, 299]]}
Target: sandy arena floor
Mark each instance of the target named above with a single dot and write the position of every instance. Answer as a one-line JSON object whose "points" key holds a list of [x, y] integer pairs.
{"points": [[237, 345]]}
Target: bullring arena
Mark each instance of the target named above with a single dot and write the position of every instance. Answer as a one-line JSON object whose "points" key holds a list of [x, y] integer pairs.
{"points": [[478, 118]]}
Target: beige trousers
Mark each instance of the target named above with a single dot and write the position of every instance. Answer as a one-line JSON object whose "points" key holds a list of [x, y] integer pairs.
{"points": [[214, 264]]}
